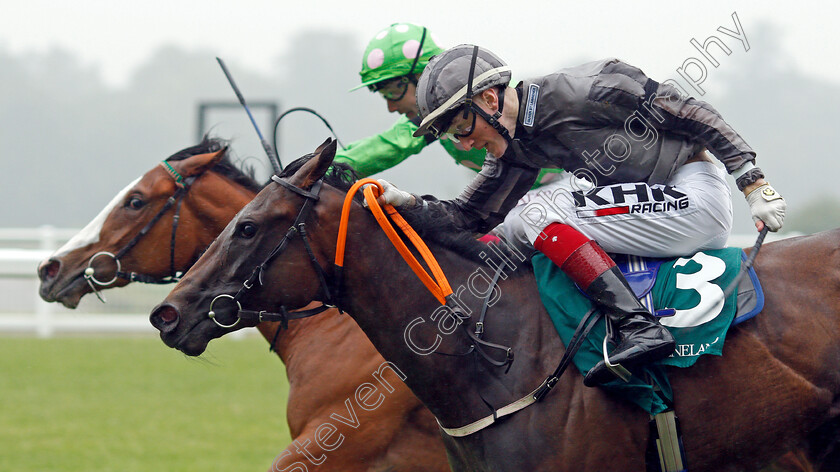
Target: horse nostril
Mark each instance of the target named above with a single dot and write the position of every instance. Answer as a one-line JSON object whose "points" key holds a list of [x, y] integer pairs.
{"points": [[168, 314], [48, 269], [164, 318]]}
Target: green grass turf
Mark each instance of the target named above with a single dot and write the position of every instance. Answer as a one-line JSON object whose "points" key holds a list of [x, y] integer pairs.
{"points": [[133, 404]]}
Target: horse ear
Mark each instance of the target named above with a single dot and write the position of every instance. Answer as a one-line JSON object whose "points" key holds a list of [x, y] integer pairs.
{"points": [[316, 167], [199, 163], [323, 145]]}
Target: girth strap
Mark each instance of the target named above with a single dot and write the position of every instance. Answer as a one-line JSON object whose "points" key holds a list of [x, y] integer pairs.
{"points": [[476, 426], [540, 392]]}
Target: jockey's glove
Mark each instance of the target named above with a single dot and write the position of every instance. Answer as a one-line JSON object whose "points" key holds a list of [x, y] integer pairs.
{"points": [[394, 196], [768, 206]]}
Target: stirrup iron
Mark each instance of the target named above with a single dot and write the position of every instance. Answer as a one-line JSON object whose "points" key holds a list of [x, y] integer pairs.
{"points": [[617, 369]]}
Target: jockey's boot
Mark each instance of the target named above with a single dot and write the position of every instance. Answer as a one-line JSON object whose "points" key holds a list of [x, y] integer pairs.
{"points": [[641, 338]]}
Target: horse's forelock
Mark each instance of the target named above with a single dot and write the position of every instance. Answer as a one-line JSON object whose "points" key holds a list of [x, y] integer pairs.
{"points": [[340, 175], [206, 146]]}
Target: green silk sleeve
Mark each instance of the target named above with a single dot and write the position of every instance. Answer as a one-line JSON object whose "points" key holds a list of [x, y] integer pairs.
{"points": [[377, 153], [372, 155]]}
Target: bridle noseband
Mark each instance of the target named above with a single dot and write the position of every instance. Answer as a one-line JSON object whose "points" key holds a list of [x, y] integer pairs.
{"points": [[297, 227], [176, 200]]}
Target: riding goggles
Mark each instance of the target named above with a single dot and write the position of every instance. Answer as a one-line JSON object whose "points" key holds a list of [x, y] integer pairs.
{"points": [[392, 90], [447, 128]]}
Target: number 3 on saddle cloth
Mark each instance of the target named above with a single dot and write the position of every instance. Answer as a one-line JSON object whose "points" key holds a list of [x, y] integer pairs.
{"points": [[687, 294]]}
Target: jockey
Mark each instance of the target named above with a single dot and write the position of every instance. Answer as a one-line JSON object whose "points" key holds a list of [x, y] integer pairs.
{"points": [[391, 65], [638, 178]]}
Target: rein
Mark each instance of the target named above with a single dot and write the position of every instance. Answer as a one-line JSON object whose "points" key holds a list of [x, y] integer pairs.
{"points": [[175, 200], [439, 287]]}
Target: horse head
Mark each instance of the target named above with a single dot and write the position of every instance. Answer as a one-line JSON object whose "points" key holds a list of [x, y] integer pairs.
{"points": [[151, 230], [230, 273]]}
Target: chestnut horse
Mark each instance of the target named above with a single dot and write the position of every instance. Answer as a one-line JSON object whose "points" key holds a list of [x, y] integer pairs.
{"points": [[774, 390], [399, 435]]}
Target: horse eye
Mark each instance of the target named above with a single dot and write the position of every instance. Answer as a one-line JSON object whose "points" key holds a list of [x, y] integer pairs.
{"points": [[246, 230], [135, 203]]}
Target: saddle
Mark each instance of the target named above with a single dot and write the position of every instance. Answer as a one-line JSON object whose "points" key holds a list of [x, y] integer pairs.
{"points": [[687, 293]]}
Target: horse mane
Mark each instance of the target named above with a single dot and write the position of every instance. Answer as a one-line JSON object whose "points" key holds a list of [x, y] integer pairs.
{"points": [[439, 226], [432, 225], [225, 167]]}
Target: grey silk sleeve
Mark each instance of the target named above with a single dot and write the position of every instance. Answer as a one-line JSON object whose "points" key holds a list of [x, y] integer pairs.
{"points": [[700, 122], [625, 90], [489, 197]]}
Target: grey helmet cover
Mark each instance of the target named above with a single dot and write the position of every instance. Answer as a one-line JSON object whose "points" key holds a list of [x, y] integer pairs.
{"points": [[444, 84]]}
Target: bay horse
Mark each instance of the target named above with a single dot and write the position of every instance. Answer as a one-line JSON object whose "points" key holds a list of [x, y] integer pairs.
{"points": [[400, 435], [774, 389]]}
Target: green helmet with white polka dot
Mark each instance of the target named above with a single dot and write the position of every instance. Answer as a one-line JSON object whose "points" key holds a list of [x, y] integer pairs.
{"points": [[398, 50]]}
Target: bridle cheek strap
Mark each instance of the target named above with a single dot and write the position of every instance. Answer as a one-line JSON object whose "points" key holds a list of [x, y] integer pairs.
{"points": [[176, 200], [297, 227]]}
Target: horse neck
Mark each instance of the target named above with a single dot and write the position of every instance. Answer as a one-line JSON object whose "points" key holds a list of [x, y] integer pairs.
{"points": [[386, 307]]}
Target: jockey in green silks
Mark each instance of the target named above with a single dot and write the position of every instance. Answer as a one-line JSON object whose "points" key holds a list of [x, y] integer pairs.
{"points": [[391, 65]]}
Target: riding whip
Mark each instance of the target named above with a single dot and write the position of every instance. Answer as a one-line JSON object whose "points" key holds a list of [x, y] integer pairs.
{"points": [[272, 156], [745, 267]]}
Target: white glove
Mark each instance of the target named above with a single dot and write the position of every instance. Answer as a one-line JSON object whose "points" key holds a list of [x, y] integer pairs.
{"points": [[391, 194], [768, 206]]}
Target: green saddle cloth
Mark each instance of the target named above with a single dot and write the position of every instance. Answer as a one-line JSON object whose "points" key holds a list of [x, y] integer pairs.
{"points": [[691, 285]]}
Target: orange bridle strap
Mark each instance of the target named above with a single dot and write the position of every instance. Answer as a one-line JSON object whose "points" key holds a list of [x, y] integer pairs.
{"points": [[439, 286]]}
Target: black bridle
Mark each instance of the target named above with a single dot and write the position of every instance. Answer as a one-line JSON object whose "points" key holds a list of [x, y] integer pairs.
{"points": [[183, 186], [297, 227]]}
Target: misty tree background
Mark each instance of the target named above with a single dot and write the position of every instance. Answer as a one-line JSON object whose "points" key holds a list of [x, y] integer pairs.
{"points": [[69, 142]]}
